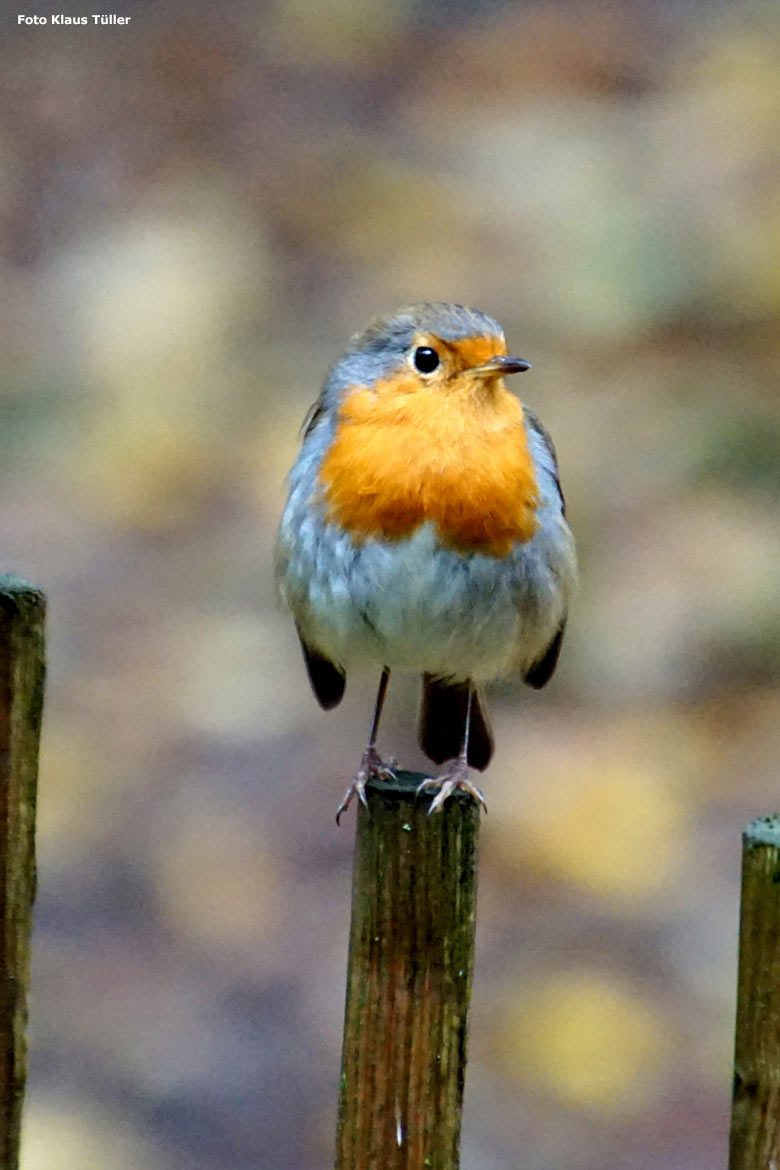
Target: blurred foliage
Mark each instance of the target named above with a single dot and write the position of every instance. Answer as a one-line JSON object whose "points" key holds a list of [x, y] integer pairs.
{"points": [[589, 1041], [196, 211]]}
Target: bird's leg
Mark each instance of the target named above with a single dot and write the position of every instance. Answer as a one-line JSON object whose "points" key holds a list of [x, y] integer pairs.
{"points": [[372, 762], [456, 774], [371, 766]]}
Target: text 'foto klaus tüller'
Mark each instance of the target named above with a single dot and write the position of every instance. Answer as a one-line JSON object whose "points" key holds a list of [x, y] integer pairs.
{"points": [[61, 18]]}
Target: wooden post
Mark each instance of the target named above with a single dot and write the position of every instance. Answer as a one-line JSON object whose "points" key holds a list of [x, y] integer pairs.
{"points": [[22, 609], [409, 980], [755, 1115]]}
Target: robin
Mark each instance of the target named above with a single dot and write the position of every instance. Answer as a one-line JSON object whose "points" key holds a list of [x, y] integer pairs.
{"points": [[425, 531]]}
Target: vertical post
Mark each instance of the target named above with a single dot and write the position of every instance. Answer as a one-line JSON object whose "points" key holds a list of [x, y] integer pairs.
{"points": [[22, 609], [409, 980], [755, 1115]]}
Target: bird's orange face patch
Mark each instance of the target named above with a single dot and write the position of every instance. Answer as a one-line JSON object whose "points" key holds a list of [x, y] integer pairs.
{"points": [[451, 449], [473, 351]]}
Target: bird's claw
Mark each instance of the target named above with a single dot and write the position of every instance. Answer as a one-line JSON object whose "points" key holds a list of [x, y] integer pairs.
{"points": [[372, 767], [454, 778]]}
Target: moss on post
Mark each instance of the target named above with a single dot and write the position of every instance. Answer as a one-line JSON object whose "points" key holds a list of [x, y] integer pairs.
{"points": [[22, 610], [409, 981]]}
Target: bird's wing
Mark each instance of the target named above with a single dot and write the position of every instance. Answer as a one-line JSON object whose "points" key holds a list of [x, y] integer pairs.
{"points": [[541, 671], [327, 681], [535, 423], [312, 417]]}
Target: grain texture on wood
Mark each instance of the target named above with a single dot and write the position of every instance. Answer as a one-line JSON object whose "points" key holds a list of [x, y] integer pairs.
{"points": [[22, 610], [755, 1116], [409, 981]]}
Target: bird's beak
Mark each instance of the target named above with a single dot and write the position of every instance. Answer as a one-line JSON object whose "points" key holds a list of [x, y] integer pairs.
{"points": [[500, 365]]}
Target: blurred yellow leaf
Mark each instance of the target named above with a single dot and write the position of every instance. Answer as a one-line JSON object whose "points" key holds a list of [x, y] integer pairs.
{"points": [[77, 790], [588, 1040], [71, 1135], [138, 470], [337, 32], [601, 811], [216, 884]]}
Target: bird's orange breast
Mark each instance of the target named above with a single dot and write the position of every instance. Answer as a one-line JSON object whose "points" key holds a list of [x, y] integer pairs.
{"points": [[404, 454]]}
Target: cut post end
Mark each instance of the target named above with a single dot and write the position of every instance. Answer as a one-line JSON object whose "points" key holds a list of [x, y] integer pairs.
{"points": [[405, 785], [763, 831]]}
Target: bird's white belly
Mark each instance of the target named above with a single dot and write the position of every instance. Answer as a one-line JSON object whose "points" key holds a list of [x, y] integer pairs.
{"points": [[413, 605]]}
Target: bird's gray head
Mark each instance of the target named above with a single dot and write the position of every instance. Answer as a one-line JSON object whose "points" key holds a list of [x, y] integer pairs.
{"points": [[422, 338]]}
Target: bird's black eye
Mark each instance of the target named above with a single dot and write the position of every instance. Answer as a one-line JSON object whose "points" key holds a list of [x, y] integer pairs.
{"points": [[425, 359]]}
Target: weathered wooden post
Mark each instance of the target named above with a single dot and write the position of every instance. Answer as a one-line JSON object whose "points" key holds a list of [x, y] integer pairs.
{"points": [[409, 980], [755, 1116], [22, 610]]}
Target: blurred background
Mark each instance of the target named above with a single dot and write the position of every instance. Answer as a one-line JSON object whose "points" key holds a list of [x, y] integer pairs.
{"points": [[196, 210]]}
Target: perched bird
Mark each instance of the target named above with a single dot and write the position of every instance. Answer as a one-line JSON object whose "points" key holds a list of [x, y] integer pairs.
{"points": [[425, 531]]}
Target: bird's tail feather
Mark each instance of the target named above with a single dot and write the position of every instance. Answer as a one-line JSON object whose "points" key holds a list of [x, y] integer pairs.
{"points": [[442, 718]]}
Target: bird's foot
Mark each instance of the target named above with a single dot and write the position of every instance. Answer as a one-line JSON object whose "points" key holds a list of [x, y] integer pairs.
{"points": [[454, 777], [372, 767]]}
